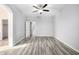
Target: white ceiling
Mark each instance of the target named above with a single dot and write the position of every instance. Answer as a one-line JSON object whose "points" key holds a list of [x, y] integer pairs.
{"points": [[27, 9]]}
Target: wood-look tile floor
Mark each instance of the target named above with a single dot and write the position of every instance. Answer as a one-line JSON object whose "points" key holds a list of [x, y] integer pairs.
{"points": [[40, 46]]}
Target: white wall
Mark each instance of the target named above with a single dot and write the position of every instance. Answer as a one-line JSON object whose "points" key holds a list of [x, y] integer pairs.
{"points": [[18, 25], [67, 26], [44, 26]]}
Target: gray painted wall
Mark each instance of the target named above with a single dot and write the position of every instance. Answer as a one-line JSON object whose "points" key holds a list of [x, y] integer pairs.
{"points": [[67, 26]]}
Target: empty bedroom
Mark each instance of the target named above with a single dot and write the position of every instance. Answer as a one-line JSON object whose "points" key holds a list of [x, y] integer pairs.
{"points": [[41, 29]]}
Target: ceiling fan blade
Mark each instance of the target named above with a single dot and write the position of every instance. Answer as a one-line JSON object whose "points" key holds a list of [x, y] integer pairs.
{"points": [[46, 10], [36, 7], [44, 5], [35, 11]]}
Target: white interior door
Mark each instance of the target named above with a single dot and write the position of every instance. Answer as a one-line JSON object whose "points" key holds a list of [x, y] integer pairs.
{"points": [[27, 29], [33, 28], [30, 28]]}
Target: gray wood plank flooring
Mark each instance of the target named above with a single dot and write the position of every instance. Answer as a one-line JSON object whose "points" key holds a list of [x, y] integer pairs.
{"points": [[41, 46]]}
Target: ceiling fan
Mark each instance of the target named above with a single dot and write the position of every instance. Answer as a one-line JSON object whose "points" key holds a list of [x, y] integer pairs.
{"points": [[40, 8]]}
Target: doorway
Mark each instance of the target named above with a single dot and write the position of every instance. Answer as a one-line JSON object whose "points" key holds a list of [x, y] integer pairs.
{"points": [[4, 41], [30, 28]]}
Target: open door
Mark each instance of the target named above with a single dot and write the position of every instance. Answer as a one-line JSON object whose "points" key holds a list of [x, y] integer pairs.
{"points": [[27, 29], [30, 28]]}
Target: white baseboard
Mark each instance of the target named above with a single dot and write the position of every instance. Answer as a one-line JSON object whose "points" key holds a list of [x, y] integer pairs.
{"points": [[18, 41], [68, 45], [43, 36]]}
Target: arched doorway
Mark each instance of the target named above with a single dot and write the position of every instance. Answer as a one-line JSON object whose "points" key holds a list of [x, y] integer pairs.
{"points": [[6, 26]]}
